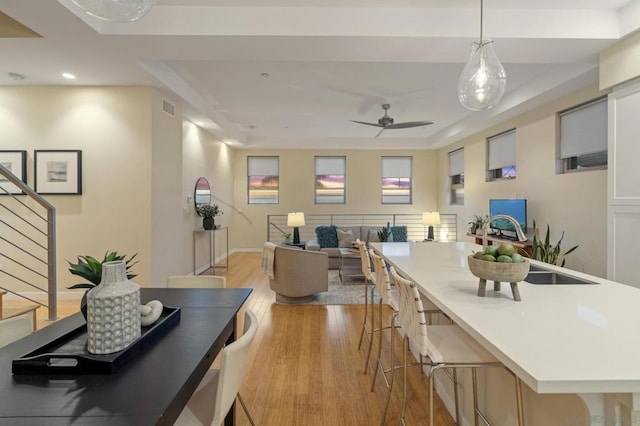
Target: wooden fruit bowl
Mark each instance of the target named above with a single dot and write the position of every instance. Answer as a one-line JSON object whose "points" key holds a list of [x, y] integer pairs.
{"points": [[498, 272]]}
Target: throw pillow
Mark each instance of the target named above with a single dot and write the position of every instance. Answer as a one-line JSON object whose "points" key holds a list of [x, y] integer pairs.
{"points": [[327, 236], [399, 234], [345, 238], [373, 236]]}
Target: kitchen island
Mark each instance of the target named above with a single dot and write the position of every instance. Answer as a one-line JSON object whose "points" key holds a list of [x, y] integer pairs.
{"points": [[560, 339]]}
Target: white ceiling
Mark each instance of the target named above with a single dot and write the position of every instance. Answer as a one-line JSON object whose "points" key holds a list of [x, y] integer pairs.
{"points": [[326, 61]]}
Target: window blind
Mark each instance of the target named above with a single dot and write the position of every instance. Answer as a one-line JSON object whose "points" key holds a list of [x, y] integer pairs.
{"points": [[583, 130], [396, 167], [502, 150], [330, 165], [263, 166], [456, 162]]}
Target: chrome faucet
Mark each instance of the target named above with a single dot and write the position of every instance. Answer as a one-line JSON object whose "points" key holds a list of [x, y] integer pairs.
{"points": [[519, 233]]}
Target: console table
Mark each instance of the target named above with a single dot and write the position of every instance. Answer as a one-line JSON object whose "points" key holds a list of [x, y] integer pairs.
{"points": [[212, 247], [527, 246], [154, 386]]}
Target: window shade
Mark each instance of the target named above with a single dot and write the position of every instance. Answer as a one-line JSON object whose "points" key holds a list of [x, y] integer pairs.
{"points": [[330, 165], [502, 150], [396, 167], [584, 130], [456, 162], [263, 166]]}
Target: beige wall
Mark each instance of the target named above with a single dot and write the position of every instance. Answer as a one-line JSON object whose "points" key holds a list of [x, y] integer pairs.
{"points": [[297, 180], [112, 127], [620, 62], [204, 156], [575, 203]]}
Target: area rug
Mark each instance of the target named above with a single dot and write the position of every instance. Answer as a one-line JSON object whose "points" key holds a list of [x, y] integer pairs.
{"points": [[351, 292]]}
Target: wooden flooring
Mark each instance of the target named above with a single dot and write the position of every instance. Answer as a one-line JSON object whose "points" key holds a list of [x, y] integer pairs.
{"points": [[305, 367]]}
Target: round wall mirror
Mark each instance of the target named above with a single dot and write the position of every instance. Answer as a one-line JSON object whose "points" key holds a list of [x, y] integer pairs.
{"points": [[202, 192]]}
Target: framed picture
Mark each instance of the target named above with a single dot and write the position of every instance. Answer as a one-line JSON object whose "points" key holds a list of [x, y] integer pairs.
{"points": [[58, 172], [16, 163]]}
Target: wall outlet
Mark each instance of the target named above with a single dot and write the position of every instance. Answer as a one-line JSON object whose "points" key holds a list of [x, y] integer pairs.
{"points": [[189, 198]]}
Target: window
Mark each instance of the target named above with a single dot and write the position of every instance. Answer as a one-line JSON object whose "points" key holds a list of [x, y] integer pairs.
{"points": [[330, 180], [263, 180], [583, 137], [501, 156], [456, 176], [396, 180]]}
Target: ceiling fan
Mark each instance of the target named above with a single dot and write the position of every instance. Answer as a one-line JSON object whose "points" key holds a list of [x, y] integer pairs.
{"points": [[386, 122]]}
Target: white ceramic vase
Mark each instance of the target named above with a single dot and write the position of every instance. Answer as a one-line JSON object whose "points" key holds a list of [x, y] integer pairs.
{"points": [[113, 311]]}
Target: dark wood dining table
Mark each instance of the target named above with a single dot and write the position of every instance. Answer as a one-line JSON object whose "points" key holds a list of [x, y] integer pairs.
{"points": [[151, 389]]}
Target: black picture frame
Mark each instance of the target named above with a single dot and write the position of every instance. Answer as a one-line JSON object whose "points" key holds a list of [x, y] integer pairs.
{"points": [[57, 172], [16, 162]]}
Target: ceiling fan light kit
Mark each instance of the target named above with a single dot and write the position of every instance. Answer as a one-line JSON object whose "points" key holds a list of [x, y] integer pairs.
{"points": [[386, 122], [483, 80], [116, 10]]}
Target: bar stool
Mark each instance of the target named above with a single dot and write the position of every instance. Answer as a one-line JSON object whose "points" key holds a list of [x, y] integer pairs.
{"points": [[388, 299], [445, 346], [369, 280]]}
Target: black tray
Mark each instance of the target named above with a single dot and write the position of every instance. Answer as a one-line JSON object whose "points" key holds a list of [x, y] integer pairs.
{"points": [[68, 354]]}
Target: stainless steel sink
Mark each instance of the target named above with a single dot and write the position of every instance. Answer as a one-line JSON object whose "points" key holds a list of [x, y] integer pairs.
{"points": [[541, 276]]}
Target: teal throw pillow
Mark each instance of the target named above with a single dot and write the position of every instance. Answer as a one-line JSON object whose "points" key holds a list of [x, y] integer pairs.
{"points": [[399, 234], [327, 236]]}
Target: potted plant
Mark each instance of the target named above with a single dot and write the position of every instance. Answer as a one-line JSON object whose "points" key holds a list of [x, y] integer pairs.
{"points": [[477, 222], [208, 213], [90, 269], [287, 237], [545, 252]]}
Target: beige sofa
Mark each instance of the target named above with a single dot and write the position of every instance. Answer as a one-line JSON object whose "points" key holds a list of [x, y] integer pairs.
{"points": [[299, 274]]}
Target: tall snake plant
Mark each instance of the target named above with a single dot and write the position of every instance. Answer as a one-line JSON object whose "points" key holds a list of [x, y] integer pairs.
{"points": [[545, 252]]}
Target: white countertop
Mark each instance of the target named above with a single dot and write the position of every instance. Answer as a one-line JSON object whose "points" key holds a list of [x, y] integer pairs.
{"points": [[558, 339]]}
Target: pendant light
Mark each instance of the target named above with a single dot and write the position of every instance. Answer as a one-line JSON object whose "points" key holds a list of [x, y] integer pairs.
{"points": [[116, 10], [483, 80]]}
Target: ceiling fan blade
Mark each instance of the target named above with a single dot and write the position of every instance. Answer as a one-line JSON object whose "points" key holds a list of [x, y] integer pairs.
{"points": [[364, 122], [408, 124], [381, 130]]}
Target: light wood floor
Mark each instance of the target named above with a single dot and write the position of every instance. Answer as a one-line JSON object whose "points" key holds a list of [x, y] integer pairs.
{"points": [[305, 367]]}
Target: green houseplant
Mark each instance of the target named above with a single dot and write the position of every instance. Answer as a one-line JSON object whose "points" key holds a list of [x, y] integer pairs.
{"points": [[545, 252], [208, 212], [477, 222]]}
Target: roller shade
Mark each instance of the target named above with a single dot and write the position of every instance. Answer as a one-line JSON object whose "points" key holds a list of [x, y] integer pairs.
{"points": [[456, 162], [398, 167], [263, 166], [584, 130], [330, 165], [502, 150]]}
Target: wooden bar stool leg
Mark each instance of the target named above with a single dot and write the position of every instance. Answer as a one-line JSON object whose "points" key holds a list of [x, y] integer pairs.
{"points": [[455, 394], [474, 379], [519, 403], [366, 313]]}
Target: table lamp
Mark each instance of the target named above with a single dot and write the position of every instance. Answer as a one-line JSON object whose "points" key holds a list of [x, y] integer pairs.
{"points": [[295, 219], [429, 219]]}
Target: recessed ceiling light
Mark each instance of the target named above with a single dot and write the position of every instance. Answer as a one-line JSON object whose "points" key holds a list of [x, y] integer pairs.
{"points": [[68, 76], [264, 74]]}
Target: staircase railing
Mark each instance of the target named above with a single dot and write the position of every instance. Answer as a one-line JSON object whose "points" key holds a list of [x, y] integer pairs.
{"points": [[27, 243], [416, 231]]}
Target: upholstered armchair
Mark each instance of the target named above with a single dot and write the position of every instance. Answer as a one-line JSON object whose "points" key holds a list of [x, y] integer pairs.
{"points": [[299, 274]]}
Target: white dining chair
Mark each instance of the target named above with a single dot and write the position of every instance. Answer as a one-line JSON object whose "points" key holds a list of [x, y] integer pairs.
{"points": [[442, 346], [219, 388], [12, 329], [196, 281]]}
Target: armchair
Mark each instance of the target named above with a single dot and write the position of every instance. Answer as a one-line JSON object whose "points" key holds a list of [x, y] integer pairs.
{"points": [[299, 274]]}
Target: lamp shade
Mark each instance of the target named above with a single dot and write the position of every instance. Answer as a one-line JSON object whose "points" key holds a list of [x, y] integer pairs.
{"points": [[483, 80], [116, 10], [430, 218], [295, 219]]}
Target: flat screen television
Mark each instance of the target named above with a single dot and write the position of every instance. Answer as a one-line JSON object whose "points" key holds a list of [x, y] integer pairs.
{"points": [[514, 208]]}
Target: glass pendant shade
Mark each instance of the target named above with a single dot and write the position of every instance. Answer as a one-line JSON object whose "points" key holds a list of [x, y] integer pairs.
{"points": [[483, 80], [116, 10]]}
